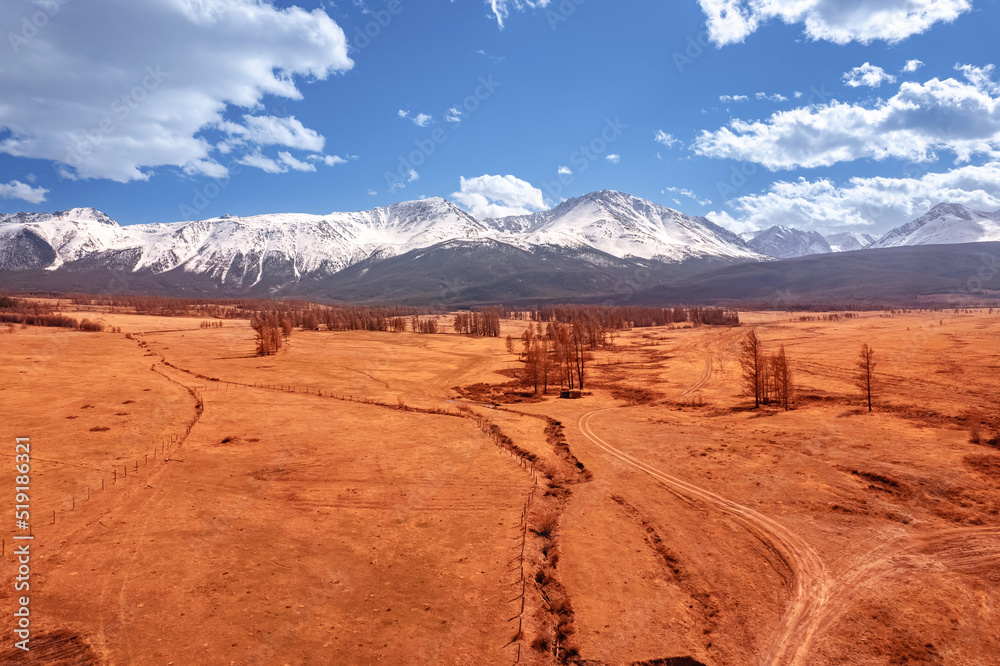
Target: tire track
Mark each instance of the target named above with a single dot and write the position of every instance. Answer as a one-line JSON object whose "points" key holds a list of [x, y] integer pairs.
{"points": [[810, 588]]}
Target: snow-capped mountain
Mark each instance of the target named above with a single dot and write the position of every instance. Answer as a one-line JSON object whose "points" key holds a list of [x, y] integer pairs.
{"points": [[233, 250], [946, 223], [623, 226], [787, 242], [279, 249], [847, 241]]}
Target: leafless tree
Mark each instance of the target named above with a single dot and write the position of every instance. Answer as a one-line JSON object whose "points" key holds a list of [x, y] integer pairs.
{"points": [[866, 372], [752, 364], [782, 377]]}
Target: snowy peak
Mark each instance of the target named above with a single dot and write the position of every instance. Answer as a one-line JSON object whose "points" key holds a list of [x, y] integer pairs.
{"points": [[848, 241], [787, 242], [623, 225], [945, 223]]}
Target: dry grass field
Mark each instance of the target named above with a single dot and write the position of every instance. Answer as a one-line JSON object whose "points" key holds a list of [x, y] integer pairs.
{"points": [[339, 502]]}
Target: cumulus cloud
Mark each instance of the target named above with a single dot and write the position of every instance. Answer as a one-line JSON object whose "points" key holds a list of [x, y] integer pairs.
{"points": [[871, 204], [912, 65], [613, 158], [15, 189], [453, 115], [498, 196], [726, 99], [79, 94], [564, 171], [731, 21], [919, 120], [867, 75], [500, 9]]}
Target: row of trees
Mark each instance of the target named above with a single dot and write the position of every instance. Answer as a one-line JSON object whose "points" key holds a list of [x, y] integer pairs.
{"points": [[634, 316]]}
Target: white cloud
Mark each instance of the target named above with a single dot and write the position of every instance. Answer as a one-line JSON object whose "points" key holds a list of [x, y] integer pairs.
{"points": [[919, 120], [565, 171], [726, 99], [867, 75], [263, 162], [876, 203], [15, 189], [776, 97], [453, 115], [912, 65], [108, 107], [613, 158], [731, 21], [329, 160], [298, 165], [498, 196], [684, 192], [981, 77], [727, 221], [420, 120], [372, 192], [668, 140], [272, 131], [501, 8]]}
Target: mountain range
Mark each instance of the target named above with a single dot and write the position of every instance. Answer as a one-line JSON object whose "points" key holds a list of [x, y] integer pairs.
{"points": [[602, 243]]}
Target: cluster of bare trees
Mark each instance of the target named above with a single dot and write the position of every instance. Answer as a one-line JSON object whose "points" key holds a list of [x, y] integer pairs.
{"points": [[557, 352], [271, 330], [766, 377], [485, 322], [211, 324]]}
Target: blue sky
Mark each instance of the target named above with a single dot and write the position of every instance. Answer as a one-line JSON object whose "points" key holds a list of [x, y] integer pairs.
{"points": [[817, 114]]}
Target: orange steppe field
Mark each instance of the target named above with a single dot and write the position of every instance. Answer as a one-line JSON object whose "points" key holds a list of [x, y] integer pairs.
{"points": [[341, 503]]}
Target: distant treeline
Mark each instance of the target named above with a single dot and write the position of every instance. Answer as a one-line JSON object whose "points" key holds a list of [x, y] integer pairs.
{"points": [[623, 317], [33, 313]]}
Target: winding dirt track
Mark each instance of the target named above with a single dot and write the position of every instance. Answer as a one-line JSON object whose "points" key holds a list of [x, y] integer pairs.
{"points": [[811, 586], [818, 600]]}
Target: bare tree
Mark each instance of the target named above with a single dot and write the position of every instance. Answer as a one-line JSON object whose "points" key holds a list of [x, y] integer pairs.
{"points": [[866, 372], [782, 375], [510, 344], [752, 363]]}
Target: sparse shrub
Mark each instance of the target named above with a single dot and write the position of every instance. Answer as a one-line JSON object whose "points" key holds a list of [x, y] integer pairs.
{"points": [[100, 429], [975, 433]]}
